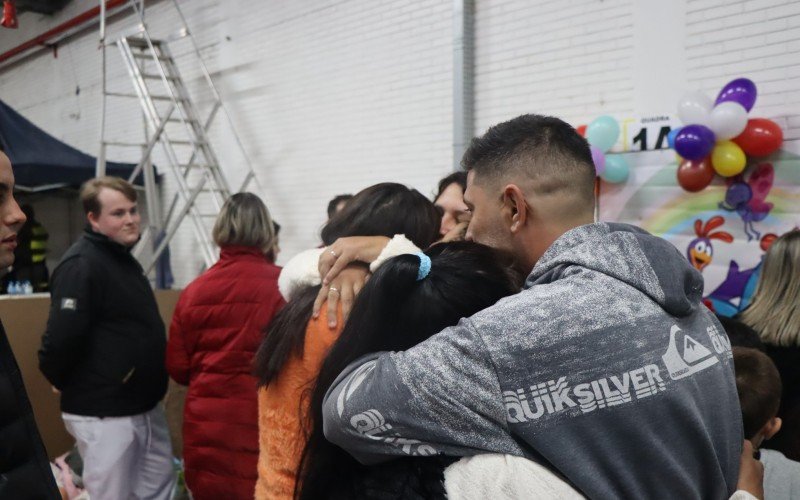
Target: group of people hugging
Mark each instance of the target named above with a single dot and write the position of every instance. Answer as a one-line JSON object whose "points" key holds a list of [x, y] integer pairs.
{"points": [[497, 342]]}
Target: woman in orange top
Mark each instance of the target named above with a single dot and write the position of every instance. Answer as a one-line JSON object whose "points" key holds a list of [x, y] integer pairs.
{"points": [[289, 359]]}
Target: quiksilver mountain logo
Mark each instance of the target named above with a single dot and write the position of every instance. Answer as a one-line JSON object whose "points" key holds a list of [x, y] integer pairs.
{"points": [[695, 356]]}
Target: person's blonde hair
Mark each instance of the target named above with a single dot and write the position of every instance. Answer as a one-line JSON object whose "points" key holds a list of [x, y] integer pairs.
{"points": [[91, 190], [775, 310], [245, 221]]}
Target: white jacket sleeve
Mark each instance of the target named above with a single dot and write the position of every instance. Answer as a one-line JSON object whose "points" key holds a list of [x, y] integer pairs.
{"points": [[398, 245], [303, 269], [504, 477], [300, 271]]}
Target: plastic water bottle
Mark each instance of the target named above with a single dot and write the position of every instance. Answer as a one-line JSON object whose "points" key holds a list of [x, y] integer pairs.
{"points": [[13, 288], [27, 288]]}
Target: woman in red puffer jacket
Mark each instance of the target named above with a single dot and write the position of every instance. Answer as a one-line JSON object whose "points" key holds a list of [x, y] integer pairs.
{"points": [[214, 334]]}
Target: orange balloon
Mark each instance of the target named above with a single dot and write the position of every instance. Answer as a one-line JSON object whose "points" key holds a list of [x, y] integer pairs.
{"points": [[581, 129]]}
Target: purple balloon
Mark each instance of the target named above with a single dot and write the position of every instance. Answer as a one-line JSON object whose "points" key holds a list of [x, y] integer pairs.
{"points": [[694, 142], [599, 159], [741, 90], [738, 194]]}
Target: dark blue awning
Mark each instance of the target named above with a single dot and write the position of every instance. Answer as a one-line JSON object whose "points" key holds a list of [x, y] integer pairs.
{"points": [[39, 159]]}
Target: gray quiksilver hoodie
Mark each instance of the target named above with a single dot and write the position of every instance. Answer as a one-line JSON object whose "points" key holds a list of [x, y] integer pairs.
{"points": [[606, 366]]}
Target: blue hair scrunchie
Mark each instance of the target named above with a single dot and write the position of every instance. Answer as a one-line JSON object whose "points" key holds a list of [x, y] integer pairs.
{"points": [[424, 266]]}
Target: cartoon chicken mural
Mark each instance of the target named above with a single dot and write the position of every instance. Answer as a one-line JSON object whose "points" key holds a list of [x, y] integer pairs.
{"points": [[701, 252]]}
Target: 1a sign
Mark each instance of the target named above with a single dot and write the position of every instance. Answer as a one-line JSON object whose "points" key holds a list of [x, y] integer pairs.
{"points": [[647, 133]]}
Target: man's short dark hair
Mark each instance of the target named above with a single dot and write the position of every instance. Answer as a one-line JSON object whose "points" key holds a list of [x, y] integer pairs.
{"points": [[759, 386], [545, 149], [459, 178], [335, 203]]}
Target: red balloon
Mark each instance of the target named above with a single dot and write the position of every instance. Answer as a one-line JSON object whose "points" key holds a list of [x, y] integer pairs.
{"points": [[760, 138], [766, 241], [581, 129], [695, 175]]}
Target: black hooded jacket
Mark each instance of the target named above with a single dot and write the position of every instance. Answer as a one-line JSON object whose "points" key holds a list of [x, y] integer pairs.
{"points": [[105, 341], [24, 468]]}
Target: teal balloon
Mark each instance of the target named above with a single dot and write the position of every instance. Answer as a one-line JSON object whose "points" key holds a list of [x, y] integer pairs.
{"points": [[603, 133], [617, 169]]}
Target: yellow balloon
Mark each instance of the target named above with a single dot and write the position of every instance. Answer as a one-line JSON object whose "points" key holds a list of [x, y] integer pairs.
{"points": [[728, 159]]}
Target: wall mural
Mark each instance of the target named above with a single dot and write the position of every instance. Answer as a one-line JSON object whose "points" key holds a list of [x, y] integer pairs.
{"points": [[719, 185]]}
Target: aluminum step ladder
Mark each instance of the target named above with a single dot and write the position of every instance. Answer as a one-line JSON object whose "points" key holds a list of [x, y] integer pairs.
{"points": [[173, 121]]}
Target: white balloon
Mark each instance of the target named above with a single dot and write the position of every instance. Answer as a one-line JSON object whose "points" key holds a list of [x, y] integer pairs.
{"points": [[728, 119], [694, 108]]}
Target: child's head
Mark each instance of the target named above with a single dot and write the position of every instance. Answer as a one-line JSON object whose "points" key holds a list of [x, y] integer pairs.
{"points": [[759, 386]]}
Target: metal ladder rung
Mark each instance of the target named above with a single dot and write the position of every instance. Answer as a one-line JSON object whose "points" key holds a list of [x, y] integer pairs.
{"points": [[151, 76], [141, 43], [136, 96], [149, 57], [188, 143], [125, 144], [165, 98], [180, 120]]}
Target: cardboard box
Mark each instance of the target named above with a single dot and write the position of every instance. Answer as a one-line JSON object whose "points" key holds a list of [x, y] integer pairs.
{"points": [[25, 318]]}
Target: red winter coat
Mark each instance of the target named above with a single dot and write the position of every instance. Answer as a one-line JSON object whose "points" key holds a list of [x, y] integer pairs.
{"points": [[215, 331]]}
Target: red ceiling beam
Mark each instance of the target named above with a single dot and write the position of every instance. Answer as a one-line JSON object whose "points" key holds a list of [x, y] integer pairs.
{"points": [[42, 39]]}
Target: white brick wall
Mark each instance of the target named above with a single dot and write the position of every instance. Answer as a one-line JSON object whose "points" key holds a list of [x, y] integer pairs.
{"points": [[759, 39], [330, 96], [570, 59]]}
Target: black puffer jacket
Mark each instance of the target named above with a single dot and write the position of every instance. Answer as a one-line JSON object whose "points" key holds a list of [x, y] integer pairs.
{"points": [[24, 468], [105, 341]]}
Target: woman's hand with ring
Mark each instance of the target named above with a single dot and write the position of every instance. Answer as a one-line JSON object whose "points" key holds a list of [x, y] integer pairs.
{"points": [[345, 251], [343, 289]]}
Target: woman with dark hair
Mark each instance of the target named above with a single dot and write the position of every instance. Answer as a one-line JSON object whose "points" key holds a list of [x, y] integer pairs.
{"points": [[213, 337], [449, 200], [422, 293], [295, 344]]}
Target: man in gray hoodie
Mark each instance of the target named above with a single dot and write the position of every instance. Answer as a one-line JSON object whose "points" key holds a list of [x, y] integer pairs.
{"points": [[606, 365]]}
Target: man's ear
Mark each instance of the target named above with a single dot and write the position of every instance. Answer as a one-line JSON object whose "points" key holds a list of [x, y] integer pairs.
{"points": [[772, 427], [515, 208], [92, 218]]}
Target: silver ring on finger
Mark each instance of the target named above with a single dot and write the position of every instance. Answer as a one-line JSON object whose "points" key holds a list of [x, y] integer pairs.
{"points": [[333, 253], [333, 289]]}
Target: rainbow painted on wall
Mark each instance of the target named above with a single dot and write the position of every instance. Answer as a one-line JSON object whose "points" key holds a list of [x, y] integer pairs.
{"points": [[653, 200]]}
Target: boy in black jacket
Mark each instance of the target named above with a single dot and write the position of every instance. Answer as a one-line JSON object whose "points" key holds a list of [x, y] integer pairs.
{"points": [[104, 350]]}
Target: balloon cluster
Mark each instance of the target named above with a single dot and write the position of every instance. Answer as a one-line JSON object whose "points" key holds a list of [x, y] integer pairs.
{"points": [[717, 137], [602, 133]]}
